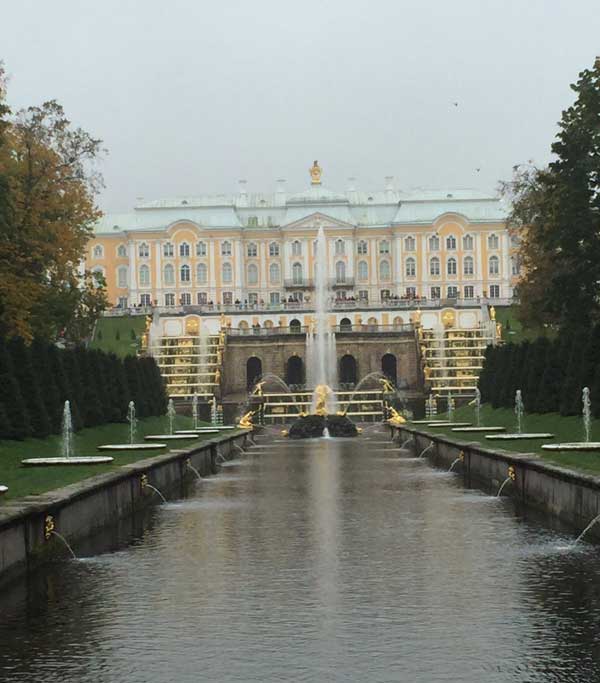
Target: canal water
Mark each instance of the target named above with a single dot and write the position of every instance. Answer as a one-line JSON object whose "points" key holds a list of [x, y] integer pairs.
{"points": [[329, 560]]}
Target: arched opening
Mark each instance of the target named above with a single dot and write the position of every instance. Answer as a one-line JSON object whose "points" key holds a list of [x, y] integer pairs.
{"points": [[389, 367], [294, 371], [295, 326], [348, 371], [398, 321], [242, 325], [268, 324], [345, 325], [253, 371]]}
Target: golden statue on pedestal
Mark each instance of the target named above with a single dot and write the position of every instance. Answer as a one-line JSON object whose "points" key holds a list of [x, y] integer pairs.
{"points": [[258, 389], [387, 386], [322, 391], [315, 173], [246, 420], [492, 313], [396, 419]]}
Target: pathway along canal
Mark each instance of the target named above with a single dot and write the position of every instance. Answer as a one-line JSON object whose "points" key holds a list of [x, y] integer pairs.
{"points": [[317, 561]]}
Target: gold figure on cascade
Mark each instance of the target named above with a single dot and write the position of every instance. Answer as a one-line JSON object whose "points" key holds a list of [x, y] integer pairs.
{"points": [[395, 417], [322, 391], [258, 389], [387, 386], [246, 420]]}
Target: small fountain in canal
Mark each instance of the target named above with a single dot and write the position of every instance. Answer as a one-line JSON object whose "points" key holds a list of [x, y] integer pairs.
{"points": [[587, 444], [477, 428], [519, 434], [511, 477], [195, 410], [132, 445]]}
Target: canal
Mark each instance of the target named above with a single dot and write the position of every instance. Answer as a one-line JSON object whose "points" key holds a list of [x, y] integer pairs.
{"points": [[328, 560]]}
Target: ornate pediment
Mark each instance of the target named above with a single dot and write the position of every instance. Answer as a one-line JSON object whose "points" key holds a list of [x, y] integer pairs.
{"points": [[315, 220]]}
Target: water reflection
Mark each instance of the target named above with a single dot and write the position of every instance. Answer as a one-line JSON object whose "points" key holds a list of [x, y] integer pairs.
{"points": [[316, 562]]}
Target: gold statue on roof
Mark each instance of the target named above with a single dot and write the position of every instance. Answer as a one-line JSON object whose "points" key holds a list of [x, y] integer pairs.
{"points": [[315, 173]]}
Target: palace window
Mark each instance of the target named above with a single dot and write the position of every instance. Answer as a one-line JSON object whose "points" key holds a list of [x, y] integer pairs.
{"points": [[274, 298], [170, 299], [201, 273], [384, 270], [145, 299], [469, 292], [143, 250], [340, 272], [98, 276], [167, 249], [253, 298], [201, 298], [451, 242], [410, 267], [435, 293], [494, 265], [362, 248], [98, 251], [227, 298], [185, 274], [452, 292], [273, 249], [495, 291], [274, 275], [186, 299], [252, 249], [122, 302], [184, 249], [493, 242], [296, 248], [252, 274], [363, 271], [451, 266], [468, 242], [200, 248], [411, 292], [144, 276], [340, 247], [363, 294], [384, 247], [227, 273], [515, 265], [434, 266], [169, 274], [515, 240], [253, 221], [122, 275], [468, 265], [122, 251], [384, 295], [225, 248], [297, 273], [410, 243], [434, 243]]}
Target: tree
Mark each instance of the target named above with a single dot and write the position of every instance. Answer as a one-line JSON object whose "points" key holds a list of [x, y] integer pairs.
{"points": [[11, 399], [548, 393], [50, 392], [536, 360], [570, 403], [556, 213]]}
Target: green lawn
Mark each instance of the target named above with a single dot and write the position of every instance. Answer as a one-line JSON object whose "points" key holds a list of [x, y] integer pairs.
{"points": [[119, 335], [512, 329], [563, 428], [23, 481]]}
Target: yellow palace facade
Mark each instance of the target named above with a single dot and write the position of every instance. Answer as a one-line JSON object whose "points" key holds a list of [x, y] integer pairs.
{"points": [[257, 251]]}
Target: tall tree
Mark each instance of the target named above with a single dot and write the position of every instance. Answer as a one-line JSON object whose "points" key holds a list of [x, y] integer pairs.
{"points": [[556, 213]]}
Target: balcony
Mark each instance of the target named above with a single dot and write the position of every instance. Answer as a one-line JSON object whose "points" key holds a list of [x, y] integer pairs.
{"points": [[299, 283]]}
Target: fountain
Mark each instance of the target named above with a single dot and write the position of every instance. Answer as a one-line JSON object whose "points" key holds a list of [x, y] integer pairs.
{"points": [[49, 531], [145, 485], [519, 434], [195, 410], [67, 457], [584, 532], [478, 428], [171, 436], [585, 445], [132, 445], [426, 449], [512, 475], [461, 457]]}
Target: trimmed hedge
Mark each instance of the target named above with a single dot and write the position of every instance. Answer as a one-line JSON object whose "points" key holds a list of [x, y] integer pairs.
{"points": [[36, 380], [550, 373]]}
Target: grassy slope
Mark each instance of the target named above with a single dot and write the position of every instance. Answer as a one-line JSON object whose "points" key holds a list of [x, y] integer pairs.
{"points": [[23, 481], [105, 336], [512, 328], [563, 428]]}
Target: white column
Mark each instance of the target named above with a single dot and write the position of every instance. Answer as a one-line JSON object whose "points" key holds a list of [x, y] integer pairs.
{"points": [[374, 276], [212, 273], [287, 269], [133, 293], [240, 281], [397, 262], [158, 283], [350, 251]]}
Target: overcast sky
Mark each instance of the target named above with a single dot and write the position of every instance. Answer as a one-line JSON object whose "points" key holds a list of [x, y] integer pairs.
{"points": [[191, 95]]}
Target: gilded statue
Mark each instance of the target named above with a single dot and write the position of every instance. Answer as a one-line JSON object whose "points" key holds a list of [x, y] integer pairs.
{"points": [[492, 313], [315, 173], [322, 391], [395, 417], [246, 420], [387, 386], [258, 389]]}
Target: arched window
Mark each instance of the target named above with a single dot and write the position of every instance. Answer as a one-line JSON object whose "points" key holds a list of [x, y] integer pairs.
{"points": [[468, 242], [167, 249], [348, 373], [340, 247], [384, 270], [468, 265], [494, 265], [434, 266], [493, 242], [98, 251], [273, 249], [345, 325], [384, 247], [143, 250], [515, 265], [409, 243], [252, 274], [226, 248], [169, 274], [296, 248], [434, 243], [122, 251], [451, 242], [340, 272], [297, 273], [410, 268], [184, 273], [362, 248], [363, 271], [451, 266], [295, 326], [122, 276], [184, 249], [252, 249], [200, 248], [144, 276], [201, 273], [186, 299], [274, 273], [98, 276], [253, 371], [389, 367], [227, 272]]}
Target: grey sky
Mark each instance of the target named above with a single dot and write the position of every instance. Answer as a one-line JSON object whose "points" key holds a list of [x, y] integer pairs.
{"points": [[191, 95]]}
